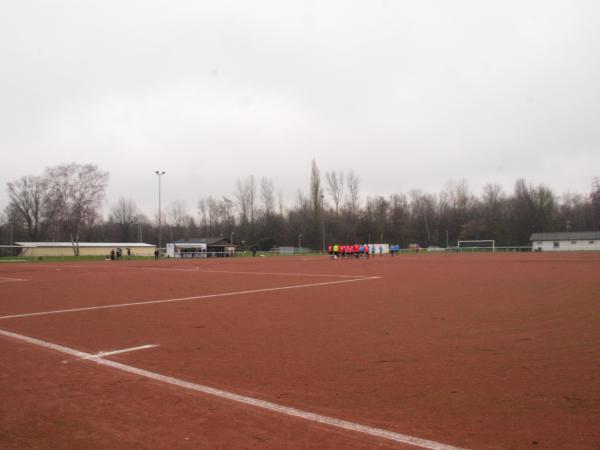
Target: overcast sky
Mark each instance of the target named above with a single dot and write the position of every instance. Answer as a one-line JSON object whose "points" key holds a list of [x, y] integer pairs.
{"points": [[408, 94]]}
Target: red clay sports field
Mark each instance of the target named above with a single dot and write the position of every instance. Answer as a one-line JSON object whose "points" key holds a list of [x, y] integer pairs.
{"points": [[480, 351]]}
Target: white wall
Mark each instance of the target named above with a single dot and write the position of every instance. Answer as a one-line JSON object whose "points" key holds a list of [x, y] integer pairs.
{"points": [[567, 246]]}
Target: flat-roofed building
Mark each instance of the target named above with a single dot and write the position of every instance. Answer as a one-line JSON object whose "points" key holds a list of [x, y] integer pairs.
{"points": [[35, 249], [573, 241]]}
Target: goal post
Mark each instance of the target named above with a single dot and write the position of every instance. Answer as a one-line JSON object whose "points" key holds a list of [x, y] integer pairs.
{"points": [[477, 244]]}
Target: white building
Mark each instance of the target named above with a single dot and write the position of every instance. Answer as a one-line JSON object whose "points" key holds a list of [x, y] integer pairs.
{"points": [[36, 249], [575, 241]]}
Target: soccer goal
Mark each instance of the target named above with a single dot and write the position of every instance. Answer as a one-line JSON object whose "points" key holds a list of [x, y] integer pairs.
{"points": [[482, 245]]}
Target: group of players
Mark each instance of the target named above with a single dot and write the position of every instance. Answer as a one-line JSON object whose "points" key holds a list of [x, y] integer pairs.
{"points": [[355, 250]]}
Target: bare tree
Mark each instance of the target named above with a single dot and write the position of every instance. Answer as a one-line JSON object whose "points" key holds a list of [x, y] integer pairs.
{"points": [[353, 184], [280, 203], [80, 190], [316, 191], [35, 203], [267, 195], [10, 224], [228, 212], [381, 216], [5, 227], [335, 187], [240, 195], [203, 211], [455, 208], [179, 222], [424, 211], [251, 191], [125, 215], [302, 203], [399, 217], [572, 212], [545, 207], [595, 203], [245, 194], [215, 215], [177, 214], [533, 209], [494, 213], [376, 216]]}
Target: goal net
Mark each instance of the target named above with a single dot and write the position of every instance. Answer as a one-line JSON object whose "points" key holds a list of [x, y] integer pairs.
{"points": [[481, 245]]}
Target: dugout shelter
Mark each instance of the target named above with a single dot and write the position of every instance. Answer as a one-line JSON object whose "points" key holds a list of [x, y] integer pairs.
{"points": [[201, 248]]}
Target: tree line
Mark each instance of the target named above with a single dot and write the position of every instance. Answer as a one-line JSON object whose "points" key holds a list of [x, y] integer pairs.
{"points": [[63, 204]]}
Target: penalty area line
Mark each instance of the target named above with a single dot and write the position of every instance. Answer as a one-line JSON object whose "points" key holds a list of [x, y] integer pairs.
{"points": [[263, 404], [182, 299], [198, 269]]}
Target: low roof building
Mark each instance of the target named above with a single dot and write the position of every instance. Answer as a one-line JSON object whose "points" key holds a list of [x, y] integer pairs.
{"points": [[85, 248], [566, 241]]}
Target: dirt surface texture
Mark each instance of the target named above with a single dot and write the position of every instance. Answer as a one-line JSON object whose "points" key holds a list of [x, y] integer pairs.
{"points": [[438, 351]]}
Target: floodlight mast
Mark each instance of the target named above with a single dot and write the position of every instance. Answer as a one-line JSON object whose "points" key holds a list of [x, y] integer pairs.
{"points": [[160, 173]]}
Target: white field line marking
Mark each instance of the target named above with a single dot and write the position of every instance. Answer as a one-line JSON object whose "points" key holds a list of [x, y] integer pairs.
{"points": [[198, 269], [116, 352], [182, 299], [8, 279], [124, 350], [281, 409]]}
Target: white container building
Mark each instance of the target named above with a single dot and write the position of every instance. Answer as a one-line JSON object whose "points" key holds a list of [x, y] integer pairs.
{"points": [[573, 241]]}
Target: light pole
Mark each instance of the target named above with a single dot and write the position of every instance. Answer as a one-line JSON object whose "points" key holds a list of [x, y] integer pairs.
{"points": [[299, 242], [231, 240], [160, 174]]}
